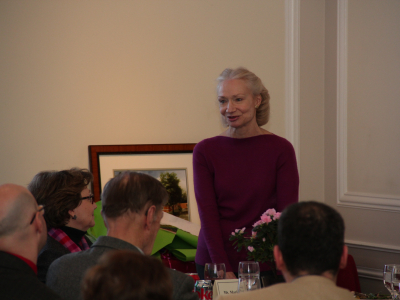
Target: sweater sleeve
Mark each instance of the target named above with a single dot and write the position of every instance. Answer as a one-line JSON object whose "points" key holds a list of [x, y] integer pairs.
{"points": [[207, 205], [287, 178]]}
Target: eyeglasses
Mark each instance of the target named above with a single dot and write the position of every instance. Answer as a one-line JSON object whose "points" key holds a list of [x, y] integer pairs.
{"points": [[90, 198], [41, 207]]}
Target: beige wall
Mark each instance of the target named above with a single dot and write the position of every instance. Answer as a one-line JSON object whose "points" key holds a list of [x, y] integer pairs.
{"points": [[78, 73]]}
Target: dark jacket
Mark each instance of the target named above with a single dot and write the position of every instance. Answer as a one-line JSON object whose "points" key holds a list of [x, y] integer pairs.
{"points": [[66, 273], [19, 282], [50, 252]]}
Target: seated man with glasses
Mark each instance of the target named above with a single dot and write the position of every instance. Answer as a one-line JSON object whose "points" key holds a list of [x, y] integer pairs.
{"points": [[23, 234]]}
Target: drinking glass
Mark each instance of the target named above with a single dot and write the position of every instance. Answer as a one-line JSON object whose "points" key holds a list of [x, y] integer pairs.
{"points": [[213, 271], [395, 281], [387, 277], [249, 276]]}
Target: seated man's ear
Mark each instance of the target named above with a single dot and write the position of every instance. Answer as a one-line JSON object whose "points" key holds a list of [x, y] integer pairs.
{"points": [[150, 215], [278, 258], [343, 258], [39, 224]]}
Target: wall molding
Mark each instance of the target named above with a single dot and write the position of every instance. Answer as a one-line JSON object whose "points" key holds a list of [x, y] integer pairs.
{"points": [[292, 74], [369, 273], [345, 197], [372, 246]]}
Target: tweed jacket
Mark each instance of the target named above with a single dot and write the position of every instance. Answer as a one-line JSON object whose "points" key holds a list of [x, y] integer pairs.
{"points": [[66, 273], [50, 252], [19, 282], [310, 287]]}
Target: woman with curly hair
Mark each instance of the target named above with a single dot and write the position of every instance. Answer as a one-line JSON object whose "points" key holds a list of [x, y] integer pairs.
{"points": [[69, 208]]}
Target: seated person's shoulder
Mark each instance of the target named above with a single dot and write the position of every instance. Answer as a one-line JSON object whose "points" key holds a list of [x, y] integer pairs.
{"points": [[179, 276], [51, 243], [66, 272], [26, 287], [182, 286], [50, 252], [72, 260]]}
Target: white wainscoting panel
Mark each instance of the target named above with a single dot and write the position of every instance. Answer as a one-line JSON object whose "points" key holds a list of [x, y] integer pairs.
{"points": [[346, 197]]}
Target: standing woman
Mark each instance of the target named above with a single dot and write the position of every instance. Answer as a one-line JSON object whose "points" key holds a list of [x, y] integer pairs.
{"points": [[241, 173], [69, 209]]}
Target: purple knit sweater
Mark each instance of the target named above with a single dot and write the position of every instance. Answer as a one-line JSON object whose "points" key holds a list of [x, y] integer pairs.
{"points": [[235, 182]]}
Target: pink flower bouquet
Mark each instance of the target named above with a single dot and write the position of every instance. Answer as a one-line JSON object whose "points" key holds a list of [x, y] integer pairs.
{"points": [[264, 236]]}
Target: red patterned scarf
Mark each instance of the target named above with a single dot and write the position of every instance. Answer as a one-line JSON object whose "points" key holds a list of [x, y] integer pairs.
{"points": [[61, 237]]}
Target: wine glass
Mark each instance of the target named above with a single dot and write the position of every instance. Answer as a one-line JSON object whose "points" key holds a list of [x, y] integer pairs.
{"points": [[395, 281], [249, 276], [387, 277], [214, 271]]}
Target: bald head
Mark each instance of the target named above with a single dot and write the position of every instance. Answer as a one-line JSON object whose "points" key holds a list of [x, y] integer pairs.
{"points": [[16, 207]]}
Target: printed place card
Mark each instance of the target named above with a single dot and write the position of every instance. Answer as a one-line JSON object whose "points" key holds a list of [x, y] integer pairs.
{"points": [[225, 287]]}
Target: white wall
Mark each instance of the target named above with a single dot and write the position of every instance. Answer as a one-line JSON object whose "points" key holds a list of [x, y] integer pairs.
{"points": [[349, 125], [78, 73], [312, 47], [361, 130]]}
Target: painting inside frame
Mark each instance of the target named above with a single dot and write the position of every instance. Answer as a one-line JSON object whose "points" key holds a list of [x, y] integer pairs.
{"points": [[106, 160]]}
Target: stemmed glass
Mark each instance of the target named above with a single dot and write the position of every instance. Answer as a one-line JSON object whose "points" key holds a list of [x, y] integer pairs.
{"points": [[213, 271], [395, 281], [249, 276], [387, 277]]}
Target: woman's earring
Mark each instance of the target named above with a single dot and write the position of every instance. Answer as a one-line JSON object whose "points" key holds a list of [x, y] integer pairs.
{"points": [[74, 217]]}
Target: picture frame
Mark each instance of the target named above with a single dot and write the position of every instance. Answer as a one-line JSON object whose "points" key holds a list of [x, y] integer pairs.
{"points": [[107, 160]]}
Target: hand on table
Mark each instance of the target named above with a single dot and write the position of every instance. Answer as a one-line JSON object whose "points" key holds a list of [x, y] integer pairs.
{"points": [[230, 275], [221, 274]]}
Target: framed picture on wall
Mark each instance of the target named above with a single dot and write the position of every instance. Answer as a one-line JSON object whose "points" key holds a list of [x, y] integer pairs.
{"points": [[169, 163]]}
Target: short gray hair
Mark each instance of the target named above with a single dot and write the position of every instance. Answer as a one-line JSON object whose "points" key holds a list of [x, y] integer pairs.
{"points": [[132, 191]]}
